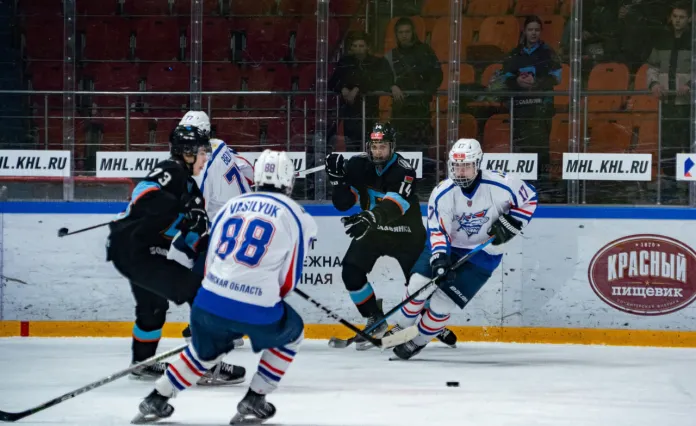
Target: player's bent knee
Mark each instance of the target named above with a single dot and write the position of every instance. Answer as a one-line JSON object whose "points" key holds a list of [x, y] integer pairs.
{"points": [[442, 303], [148, 319], [353, 277], [418, 281]]}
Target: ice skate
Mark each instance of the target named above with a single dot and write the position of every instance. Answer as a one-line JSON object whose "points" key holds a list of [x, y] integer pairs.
{"points": [[153, 408], [151, 372], [223, 374], [448, 337], [253, 409], [407, 350], [378, 333]]}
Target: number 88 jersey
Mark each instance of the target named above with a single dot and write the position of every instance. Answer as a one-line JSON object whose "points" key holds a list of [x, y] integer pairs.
{"points": [[258, 243]]}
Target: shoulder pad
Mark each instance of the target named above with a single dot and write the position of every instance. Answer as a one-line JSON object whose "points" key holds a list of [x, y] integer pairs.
{"points": [[494, 175], [404, 163]]}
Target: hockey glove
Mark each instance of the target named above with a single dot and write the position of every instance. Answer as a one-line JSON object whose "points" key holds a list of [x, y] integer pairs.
{"points": [[195, 216], [335, 168], [358, 225], [440, 264], [186, 247], [505, 229]]}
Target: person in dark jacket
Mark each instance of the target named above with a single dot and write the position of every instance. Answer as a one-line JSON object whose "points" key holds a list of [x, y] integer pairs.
{"points": [[357, 74], [415, 67], [532, 66]]}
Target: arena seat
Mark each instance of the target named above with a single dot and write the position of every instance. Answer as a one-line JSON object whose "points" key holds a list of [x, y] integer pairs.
{"points": [[158, 8], [498, 35], [216, 39], [221, 77], [607, 76], [43, 38], [496, 134], [172, 78], [536, 7], [121, 76], [267, 78], [643, 102], [267, 39], [106, 39], [157, 39], [488, 7], [44, 8], [306, 39]]}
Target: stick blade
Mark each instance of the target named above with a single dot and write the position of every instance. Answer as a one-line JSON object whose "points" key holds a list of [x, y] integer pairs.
{"points": [[400, 337], [9, 417]]}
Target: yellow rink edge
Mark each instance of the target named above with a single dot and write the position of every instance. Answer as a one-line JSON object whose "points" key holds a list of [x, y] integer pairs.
{"points": [[586, 336]]}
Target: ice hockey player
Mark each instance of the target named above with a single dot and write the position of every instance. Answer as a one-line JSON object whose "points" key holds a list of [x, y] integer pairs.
{"points": [[226, 173], [258, 245], [463, 212], [165, 202], [382, 183]]}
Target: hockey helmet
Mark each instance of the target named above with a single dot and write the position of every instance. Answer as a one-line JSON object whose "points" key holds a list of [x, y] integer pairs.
{"points": [[188, 140], [382, 133], [196, 119], [274, 169], [464, 161]]}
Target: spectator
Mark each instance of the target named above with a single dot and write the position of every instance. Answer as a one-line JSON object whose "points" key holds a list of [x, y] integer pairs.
{"points": [[415, 68], [637, 21], [670, 71], [356, 74], [532, 66], [599, 41]]}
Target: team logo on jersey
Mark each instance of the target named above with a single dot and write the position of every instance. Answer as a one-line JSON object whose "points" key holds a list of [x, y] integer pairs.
{"points": [[471, 223]]}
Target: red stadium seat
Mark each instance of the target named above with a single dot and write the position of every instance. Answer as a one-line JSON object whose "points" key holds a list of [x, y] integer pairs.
{"points": [[123, 76], [157, 39], [146, 7], [107, 39], [171, 78], [43, 38], [306, 40], [252, 7], [218, 78], [216, 39], [55, 133], [267, 39], [44, 8], [96, 8], [240, 131], [46, 76], [210, 7], [268, 78]]}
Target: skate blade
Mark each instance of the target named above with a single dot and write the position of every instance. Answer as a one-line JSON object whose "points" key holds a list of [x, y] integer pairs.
{"points": [[337, 343], [143, 378], [204, 381], [142, 419], [241, 419]]}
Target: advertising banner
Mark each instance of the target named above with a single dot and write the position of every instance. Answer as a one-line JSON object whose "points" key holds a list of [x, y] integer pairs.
{"points": [[34, 163]]}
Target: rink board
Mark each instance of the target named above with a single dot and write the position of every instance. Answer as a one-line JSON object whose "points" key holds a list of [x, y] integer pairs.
{"points": [[541, 293]]}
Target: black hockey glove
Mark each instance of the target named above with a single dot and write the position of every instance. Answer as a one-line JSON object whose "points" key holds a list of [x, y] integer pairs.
{"points": [[335, 168], [440, 264], [504, 229], [358, 225], [195, 216]]}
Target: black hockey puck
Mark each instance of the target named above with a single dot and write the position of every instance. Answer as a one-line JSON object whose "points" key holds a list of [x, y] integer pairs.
{"points": [[452, 384], [62, 232]]}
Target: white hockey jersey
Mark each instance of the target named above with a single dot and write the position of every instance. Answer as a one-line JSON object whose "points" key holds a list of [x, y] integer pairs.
{"points": [[459, 222], [258, 243], [226, 175]]}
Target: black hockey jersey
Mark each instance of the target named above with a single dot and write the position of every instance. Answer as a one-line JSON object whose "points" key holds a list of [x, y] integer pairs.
{"points": [[389, 193], [156, 210]]}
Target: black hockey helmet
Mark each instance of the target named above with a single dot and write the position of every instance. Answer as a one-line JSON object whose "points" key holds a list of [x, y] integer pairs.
{"points": [[382, 133], [188, 140]]}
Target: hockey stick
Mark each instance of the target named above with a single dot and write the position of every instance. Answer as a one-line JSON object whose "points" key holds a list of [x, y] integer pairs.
{"points": [[11, 417], [305, 172], [62, 232], [335, 342], [392, 340]]}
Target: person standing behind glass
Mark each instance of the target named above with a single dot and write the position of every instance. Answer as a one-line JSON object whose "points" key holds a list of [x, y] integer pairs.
{"points": [[356, 74], [533, 66]]}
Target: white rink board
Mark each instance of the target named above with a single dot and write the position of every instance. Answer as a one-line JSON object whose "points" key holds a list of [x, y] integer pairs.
{"points": [[542, 282]]}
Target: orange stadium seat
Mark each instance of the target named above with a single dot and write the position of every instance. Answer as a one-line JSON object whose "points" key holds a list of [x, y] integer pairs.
{"points": [[216, 39], [566, 7], [607, 76], [468, 128], [436, 8], [536, 7], [467, 75], [488, 7], [172, 78], [564, 87], [498, 35], [558, 143], [122, 76], [221, 77], [267, 78], [440, 39], [267, 39], [643, 102], [107, 39], [489, 72], [390, 37], [552, 30], [43, 38], [496, 134], [157, 39], [306, 39], [609, 133], [146, 7], [45, 8]]}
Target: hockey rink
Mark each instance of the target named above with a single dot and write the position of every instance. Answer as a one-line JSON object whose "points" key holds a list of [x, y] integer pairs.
{"points": [[500, 384]]}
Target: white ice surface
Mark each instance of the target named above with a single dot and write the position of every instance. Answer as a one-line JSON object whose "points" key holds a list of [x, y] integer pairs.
{"points": [[501, 384]]}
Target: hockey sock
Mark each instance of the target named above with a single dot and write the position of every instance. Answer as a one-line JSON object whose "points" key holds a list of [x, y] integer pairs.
{"points": [[183, 372], [408, 314], [273, 365], [144, 343], [365, 301], [434, 319]]}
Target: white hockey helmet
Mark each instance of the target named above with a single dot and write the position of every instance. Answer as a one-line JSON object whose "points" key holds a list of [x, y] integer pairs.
{"points": [[464, 161], [197, 119], [274, 168]]}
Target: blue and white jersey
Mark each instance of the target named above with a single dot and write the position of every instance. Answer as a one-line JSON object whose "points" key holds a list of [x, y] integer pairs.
{"points": [[258, 243], [460, 221], [225, 176]]}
